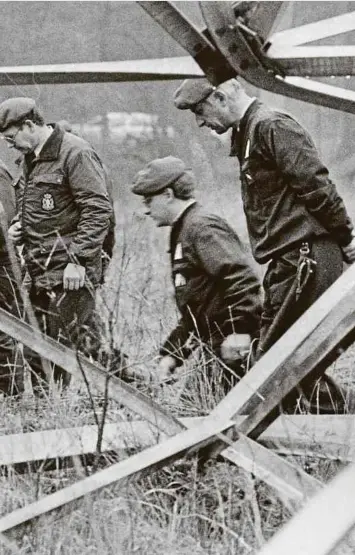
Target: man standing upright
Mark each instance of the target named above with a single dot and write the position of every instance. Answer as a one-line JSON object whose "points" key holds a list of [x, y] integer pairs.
{"points": [[63, 214], [297, 222], [216, 291]]}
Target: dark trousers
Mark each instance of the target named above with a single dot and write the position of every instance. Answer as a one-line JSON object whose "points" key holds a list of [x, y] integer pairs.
{"points": [[67, 316], [282, 309]]}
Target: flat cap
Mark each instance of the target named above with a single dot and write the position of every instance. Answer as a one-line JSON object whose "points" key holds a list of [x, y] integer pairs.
{"points": [[191, 92], [157, 175], [14, 110]]}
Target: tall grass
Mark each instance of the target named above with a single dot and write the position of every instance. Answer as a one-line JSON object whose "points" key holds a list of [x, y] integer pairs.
{"points": [[179, 510]]}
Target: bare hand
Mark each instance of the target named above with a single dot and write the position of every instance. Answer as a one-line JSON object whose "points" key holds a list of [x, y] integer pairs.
{"points": [[235, 346], [349, 252], [164, 369], [73, 277], [15, 233]]}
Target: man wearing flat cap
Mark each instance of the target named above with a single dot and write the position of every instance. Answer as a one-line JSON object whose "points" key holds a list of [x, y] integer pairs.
{"points": [[63, 214], [297, 221], [216, 291]]}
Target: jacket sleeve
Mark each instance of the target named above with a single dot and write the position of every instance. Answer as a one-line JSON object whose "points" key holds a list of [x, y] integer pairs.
{"points": [[221, 255], [297, 158], [7, 197], [224, 258], [87, 181]]}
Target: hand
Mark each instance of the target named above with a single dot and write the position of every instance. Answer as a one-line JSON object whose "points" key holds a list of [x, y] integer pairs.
{"points": [[235, 346], [165, 368], [73, 277], [349, 252], [15, 233]]}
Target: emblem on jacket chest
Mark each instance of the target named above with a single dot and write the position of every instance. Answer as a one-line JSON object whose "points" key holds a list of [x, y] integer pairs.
{"points": [[47, 202]]}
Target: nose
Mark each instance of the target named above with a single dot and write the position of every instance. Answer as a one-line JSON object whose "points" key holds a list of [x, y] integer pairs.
{"points": [[199, 120]]}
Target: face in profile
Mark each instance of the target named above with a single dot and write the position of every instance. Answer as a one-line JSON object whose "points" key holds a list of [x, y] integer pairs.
{"points": [[20, 137], [157, 207], [214, 113]]}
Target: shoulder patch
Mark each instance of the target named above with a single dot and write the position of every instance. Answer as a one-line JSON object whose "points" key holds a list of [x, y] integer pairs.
{"points": [[178, 252]]}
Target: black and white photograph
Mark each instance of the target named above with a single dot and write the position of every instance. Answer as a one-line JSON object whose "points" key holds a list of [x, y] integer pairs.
{"points": [[177, 278]]}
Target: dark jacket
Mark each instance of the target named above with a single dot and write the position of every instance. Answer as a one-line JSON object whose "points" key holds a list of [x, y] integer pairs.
{"points": [[7, 199], [109, 241], [216, 291], [64, 208], [287, 194]]}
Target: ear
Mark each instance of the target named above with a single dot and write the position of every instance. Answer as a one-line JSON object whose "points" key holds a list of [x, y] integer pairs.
{"points": [[29, 124], [220, 97], [169, 193]]}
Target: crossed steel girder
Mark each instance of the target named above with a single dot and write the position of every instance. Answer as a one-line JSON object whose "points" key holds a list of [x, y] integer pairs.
{"points": [[101, 72], [247, 52], [317, 335]]}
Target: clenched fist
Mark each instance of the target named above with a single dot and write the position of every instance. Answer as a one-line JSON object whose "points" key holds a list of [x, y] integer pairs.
{"points": [[73, 277]]}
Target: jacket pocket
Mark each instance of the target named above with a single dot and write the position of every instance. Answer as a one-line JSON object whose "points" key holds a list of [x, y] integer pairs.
{"points": [[48, 179], [48, 193]]}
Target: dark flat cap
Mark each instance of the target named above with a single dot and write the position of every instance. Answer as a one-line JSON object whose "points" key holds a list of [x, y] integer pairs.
{"points": [[14, 110], [191, 92], [157, 175]]}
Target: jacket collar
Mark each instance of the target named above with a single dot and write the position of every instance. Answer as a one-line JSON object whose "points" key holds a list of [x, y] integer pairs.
{"points": [[51, 148], [184, 210], [238, 132], [177, 225]]}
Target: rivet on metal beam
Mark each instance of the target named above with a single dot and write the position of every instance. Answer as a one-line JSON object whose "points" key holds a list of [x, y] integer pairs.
{"points": [[233, 48], [244, 64], [221, 31]]}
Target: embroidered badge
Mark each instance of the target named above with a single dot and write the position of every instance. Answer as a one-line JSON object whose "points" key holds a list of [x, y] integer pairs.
{"points": [[179, 280], [178, 252], [247, 150], [47, 202]]}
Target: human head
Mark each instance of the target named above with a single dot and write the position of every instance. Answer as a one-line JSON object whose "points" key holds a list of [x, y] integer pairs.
{"points": [[21, 123], [65, 125], [165, 185], [218, 108]]}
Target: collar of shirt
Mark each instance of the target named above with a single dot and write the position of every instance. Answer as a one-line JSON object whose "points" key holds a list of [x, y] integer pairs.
{"points": [[182, 212], [39, 147]]}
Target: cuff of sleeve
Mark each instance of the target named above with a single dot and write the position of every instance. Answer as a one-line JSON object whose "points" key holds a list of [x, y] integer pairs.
{"points": [[344, 239], [77, 259], [178, 354], [237, 326]]}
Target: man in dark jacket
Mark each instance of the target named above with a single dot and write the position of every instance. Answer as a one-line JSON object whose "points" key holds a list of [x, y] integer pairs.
{"points": [[217, 293], [63, 214], [11, 374], [297, 222]]}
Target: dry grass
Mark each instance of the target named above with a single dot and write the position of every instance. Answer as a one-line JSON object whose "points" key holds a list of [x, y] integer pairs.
{"points": [[175, 511]]}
